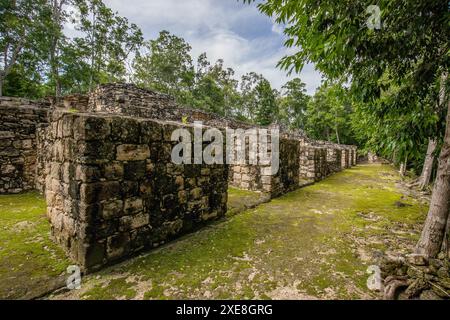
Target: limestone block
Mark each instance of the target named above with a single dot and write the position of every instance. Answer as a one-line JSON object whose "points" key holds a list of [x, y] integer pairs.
{"points": [[196, 193], [134, 222], [86, 173], [91, 255], [266, 171], [96, 192], [114, 171], [133, 206], [112, 209], [150, 132], [129, 152], [86, 128], [125, 130]]}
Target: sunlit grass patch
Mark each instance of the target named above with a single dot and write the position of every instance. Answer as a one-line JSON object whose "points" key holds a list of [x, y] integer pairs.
{"points": [[30, 263]]}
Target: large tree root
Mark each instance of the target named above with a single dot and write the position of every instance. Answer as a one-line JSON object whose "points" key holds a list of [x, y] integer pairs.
{"points": [[393, 285], [416, 277]]}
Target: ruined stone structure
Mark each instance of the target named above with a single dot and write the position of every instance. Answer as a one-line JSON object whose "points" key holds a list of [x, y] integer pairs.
{"points": [[313, 163], [112, 189], [19, 121], [104, 163]]}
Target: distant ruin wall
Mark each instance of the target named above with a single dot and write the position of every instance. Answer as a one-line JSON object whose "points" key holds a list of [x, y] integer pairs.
{"points": [[112, 189], [287, 178], [313, 163], [334, 161], [127, 99], [19, 120], [345, 159], [299, 165], [273, 179]]}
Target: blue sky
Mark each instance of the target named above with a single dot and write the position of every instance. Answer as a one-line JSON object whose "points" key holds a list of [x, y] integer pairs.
{"points": [[246, 39]]}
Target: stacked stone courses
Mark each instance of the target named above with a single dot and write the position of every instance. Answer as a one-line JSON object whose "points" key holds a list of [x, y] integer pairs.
{"points": [[104, 163]]}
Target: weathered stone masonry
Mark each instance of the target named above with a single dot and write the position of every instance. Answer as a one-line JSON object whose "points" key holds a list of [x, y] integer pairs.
{"points": [[19, 120], [104, 162], [112, 189]]}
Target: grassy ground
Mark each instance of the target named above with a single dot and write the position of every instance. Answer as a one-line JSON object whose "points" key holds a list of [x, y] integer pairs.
{"points": [[241, 200], [30, 263], [315, 243]]}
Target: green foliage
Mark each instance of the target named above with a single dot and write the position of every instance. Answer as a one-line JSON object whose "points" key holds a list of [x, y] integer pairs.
{"points": [[412, 42], [293, 104], [167, 67], [249, 105], [393, 71], [267, 110], [22, 83], [259, 102], [108, 40], [215, 89], [328, 115], [32, 40], [398, 125], [22, 33]]}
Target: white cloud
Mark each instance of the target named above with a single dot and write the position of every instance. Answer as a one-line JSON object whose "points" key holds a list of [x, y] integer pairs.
{"points": [[238, 33]]}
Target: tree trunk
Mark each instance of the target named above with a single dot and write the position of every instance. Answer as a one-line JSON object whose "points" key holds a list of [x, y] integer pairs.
{"points": [[424, 180], [93, 46], [58, 17], [403, 167], [337, 135], [433, 232], [1, 85], [446, 245]]}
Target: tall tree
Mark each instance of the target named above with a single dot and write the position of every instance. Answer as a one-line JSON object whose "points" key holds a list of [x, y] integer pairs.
{"points": [[56, 39], [293, 104], [267, 108], [397, 126], [166, 67], [224, 78], [433, 234], [249, 106], [21, 34], [207, 95], [411, 46], [215, 88], [425, 177], [107, 42], [328, 114]]}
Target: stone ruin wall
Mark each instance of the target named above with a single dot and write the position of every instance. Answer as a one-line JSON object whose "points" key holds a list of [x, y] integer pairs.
{"points": [[19, 121], [111, 189], [313, 164], [129, 100]]}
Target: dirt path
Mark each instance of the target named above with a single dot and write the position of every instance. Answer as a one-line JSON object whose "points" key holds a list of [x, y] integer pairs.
{"points": [[315, 243]]}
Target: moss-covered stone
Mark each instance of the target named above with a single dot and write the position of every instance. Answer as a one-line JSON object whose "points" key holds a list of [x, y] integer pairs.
{"points": [[316, 242]]}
